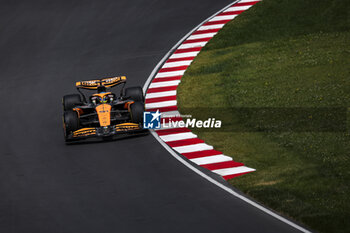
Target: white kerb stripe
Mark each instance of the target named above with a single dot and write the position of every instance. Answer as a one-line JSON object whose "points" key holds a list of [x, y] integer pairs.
{"points": [[165, 84], [223, 17], [200, 36], [193, 148], [176, 64], [211, 159], [216, 26], [170, 74], [177, 136], [182, 55], [233, 170], [243, 1], [160, 94], [238, 8], [192, 45], [161, 104]]}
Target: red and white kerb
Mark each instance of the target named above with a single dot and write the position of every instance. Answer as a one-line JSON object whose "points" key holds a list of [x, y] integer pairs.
{"points": [[161, 95]]}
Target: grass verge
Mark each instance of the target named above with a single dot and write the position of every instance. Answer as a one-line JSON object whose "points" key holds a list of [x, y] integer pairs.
{"points": [[269, 75]]}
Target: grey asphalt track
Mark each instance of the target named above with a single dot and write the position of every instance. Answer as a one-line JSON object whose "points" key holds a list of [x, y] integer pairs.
{"points": [[130, 185]]}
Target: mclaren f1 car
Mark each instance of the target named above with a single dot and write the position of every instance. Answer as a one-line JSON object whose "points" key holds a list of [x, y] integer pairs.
{"points": [[103, 114]]}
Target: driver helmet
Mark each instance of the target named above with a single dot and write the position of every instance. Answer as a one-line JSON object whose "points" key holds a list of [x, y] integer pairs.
{"points": [[104, 99]]}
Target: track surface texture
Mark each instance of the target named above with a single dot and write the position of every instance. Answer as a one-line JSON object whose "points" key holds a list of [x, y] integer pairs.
{"points": [[130, 185]]}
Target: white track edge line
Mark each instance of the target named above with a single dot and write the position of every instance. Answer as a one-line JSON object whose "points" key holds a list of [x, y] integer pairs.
{"points": [[175, 155]]}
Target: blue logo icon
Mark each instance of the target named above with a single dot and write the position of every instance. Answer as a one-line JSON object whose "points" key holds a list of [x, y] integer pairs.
{"points": [[151, 120]]}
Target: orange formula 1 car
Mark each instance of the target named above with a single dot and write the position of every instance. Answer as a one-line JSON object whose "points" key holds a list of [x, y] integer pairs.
{"points": [[103, 114]]}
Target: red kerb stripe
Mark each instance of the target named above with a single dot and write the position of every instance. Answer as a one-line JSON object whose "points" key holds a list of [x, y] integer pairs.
{"points": [[163, 132], [160, 99], [231, 13], [185, 142], [197, 40], [180, 59], [246, 3], [227, 164], [234, 175], [217, 22], [206, 31], [196, 49]]}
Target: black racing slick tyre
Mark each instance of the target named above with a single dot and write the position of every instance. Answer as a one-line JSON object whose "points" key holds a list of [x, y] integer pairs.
{"points": [[136, 111], [70, 101], [135, 93], [70, 122]]}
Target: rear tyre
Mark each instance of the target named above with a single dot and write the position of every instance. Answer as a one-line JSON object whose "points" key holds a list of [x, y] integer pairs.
{"points": [[70, 101], [135, 93], [136, 112], [70, 122]]}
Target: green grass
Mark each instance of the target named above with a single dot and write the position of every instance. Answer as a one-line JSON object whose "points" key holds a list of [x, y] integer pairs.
{"points": [[281, 54]]}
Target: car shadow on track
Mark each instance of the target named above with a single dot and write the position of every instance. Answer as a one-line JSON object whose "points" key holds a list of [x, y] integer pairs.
{"points": [[106, 140]]}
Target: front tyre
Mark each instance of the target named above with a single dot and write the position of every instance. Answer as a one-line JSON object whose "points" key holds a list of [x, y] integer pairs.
{"points": [[70, 122], [136, 112], [135, 93], [70, 101]]}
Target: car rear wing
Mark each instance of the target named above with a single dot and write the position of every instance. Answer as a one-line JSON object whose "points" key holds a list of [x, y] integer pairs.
{"points": [[106, 82]]}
